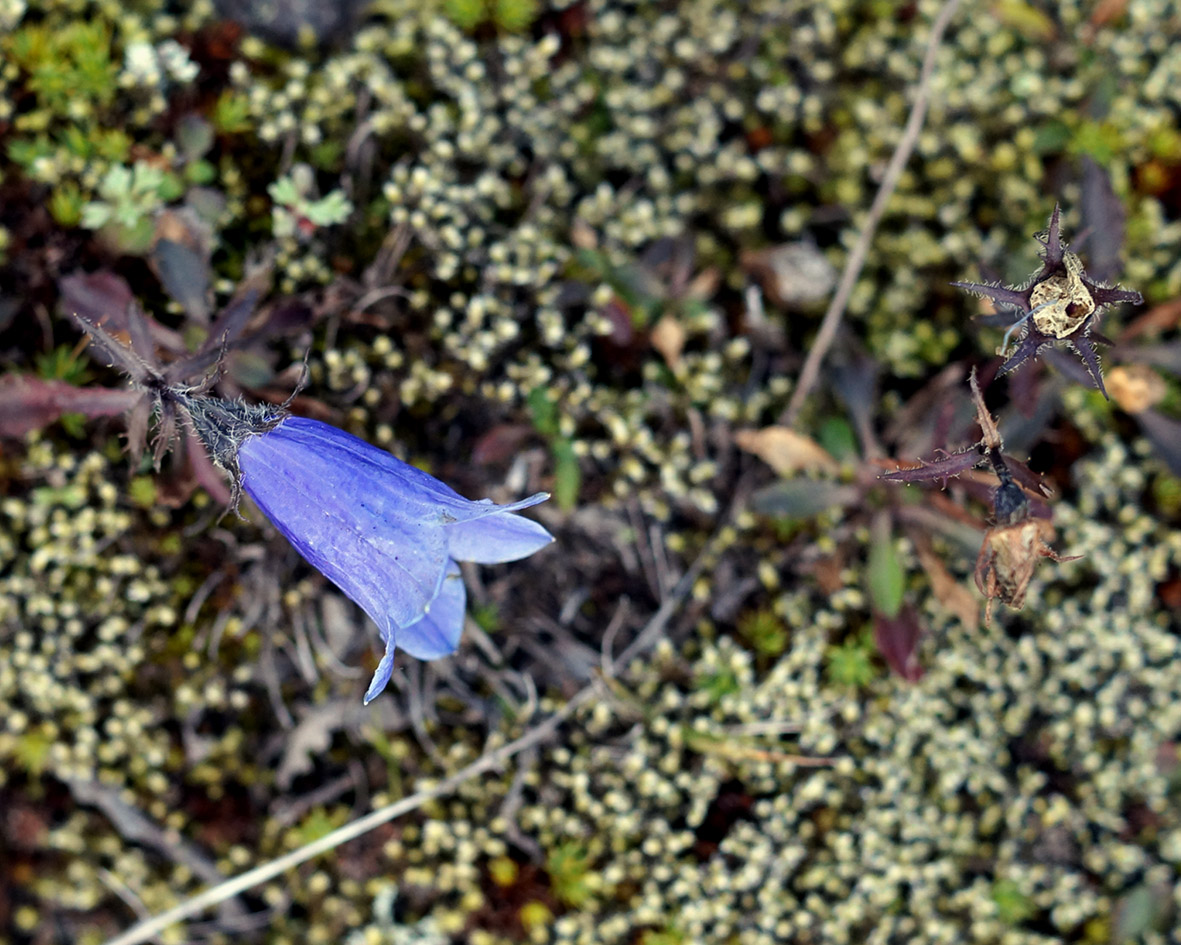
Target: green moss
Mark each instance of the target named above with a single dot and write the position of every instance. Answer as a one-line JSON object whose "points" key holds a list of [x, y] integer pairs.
{"points": [[764, 631], [68, 67], [64, 363], [851, 663], [31, 751], [142, 491], [231, 113], [1013, 906], [570, 874]]}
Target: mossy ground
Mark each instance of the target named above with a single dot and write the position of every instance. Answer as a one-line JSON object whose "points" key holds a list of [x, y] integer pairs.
{"points": [[540, 251]]}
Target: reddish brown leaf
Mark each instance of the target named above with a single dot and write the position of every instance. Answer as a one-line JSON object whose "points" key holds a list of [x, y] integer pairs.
{"points": [[1157, 320], [941, 469], [29, 403], [501, 443], [951, 593], [1107, 11], [98, 297]]}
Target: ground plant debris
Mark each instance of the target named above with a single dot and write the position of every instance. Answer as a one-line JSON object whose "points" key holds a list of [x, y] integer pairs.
{"points": [[861, 618]]}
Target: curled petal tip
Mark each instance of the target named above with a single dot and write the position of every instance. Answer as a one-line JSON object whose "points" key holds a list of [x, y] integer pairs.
{"points": [[381, 675]]}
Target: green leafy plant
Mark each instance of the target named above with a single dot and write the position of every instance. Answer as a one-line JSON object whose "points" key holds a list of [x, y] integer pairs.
{"points": [[718, 684], [669, 935], [32, 749], [129, 199], [66, 204], [486, 616], [1012, 905], [69, 68], [886, 575], [297, 212], [231, 113], [318, 823]]}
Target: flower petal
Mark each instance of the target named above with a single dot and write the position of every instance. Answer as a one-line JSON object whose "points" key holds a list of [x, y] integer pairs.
{"points": [[496, 538], [356, 514], [384, 532], [437, 634]]}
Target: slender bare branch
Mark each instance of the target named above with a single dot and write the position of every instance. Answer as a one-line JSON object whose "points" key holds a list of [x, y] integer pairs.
{"points": [[145, 931], [853, 266]]}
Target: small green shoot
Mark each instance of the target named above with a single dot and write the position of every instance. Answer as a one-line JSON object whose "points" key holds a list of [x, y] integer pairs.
{"points": [[567, 471], [887, 577], [296, 213]]}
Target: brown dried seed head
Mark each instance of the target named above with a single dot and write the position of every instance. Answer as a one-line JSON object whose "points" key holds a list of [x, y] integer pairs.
{"points": [[1014, 551], [1067, 301]]}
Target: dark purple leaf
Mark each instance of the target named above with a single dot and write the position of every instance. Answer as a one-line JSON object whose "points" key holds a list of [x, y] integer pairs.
{"points": [[951, 465], [1052, 239], [1103, 216], [1018, 298], [1071, 368], [97, 297], [226, 328], [1166, 356], [105, 298], [897, 639], [1027, 347], [855, 382], [1164, 433], [8, 309], [185, 276], [115, 353], [1090, 357], [1034, 483]]}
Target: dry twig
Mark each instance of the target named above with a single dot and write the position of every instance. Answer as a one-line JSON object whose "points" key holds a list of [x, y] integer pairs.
{"points": [[145, 931], [853, 266]]}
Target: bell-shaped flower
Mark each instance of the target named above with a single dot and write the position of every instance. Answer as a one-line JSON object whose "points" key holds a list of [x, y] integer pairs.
{"points": [[387, 534]]}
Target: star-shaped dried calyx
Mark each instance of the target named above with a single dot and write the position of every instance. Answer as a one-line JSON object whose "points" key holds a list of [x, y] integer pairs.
{"points": [[1059, 303]]}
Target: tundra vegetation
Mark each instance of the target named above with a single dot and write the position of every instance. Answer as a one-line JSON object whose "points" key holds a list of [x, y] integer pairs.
{"points": [[584, 248]]}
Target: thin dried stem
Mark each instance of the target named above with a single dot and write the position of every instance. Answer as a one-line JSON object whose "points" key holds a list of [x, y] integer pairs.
{"points": [[990, 435], [836, 308], [145, 931]]}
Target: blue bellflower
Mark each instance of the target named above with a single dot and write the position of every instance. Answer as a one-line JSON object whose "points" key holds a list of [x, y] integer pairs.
{"points": [[387, 534]]}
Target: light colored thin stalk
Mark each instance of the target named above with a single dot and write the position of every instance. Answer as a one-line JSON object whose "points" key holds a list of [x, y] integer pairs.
{"points": [[856, 260], [215, 895]]}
